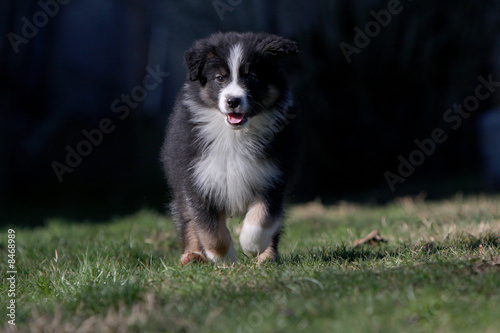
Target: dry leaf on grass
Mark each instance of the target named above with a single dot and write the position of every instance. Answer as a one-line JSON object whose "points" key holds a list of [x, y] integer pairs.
{"points": [[373, 238]]}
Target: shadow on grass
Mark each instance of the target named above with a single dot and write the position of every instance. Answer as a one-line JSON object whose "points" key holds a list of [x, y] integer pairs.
{"points": [[347, 253], [343, 253], [471, 242]]}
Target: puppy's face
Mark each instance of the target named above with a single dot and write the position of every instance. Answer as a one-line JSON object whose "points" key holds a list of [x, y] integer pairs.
{"points": [[237, 74]]}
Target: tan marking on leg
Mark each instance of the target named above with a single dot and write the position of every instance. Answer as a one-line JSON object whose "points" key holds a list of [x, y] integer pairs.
{"points": [[270, 254], [193, 250], [217, 244], [193, 256], [258, 229], [257, 214], [191, 241]]}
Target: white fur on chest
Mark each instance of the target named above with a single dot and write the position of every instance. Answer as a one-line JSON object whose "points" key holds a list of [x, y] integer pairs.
{"points": [[232, 168]]}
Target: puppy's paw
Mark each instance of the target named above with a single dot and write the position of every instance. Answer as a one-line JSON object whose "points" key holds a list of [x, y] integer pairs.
{"points": [[268, 255], [254, 240], [192, 256]]}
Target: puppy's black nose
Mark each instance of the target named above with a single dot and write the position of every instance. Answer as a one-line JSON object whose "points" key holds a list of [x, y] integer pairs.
{"points": [[233, 102]]}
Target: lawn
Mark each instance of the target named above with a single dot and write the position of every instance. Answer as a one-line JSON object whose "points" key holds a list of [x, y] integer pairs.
{"points": [[438, 271]]}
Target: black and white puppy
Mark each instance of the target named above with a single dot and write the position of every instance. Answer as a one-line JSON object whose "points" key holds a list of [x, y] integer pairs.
{"points": [[229, 147]]}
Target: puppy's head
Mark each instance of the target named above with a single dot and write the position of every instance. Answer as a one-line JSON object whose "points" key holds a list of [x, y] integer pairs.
{"points": [[238, 74]]}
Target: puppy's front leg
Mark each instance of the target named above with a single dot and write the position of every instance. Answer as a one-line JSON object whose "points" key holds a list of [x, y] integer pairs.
{"points": [[260, 232], [215, 239]]}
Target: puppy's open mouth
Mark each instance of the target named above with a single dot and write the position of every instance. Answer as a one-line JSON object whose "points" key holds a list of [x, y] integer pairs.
{"points": [[236, 120]]}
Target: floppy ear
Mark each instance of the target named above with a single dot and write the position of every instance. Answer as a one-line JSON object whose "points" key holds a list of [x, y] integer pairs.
{"points": [[195, 59], [278, 46]]}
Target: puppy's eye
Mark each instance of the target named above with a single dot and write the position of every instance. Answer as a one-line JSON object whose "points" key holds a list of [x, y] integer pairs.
{"points": [[251, 78], [219, 78]]}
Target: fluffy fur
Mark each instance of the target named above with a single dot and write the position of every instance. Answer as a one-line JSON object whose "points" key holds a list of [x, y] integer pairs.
{"points": [[229, 146]]}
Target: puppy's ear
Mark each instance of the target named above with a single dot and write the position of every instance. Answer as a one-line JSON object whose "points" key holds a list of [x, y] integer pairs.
{"points": [[278, 46], [195, 59]]}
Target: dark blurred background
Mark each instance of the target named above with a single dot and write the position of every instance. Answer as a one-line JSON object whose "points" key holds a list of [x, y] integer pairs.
{"points": [[65, 65]]}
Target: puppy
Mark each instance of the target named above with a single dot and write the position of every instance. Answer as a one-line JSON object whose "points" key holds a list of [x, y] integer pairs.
{"points": [[230, 146]]}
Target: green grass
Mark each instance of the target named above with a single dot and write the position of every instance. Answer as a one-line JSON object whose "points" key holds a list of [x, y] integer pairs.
{"points": [[438, 272]]}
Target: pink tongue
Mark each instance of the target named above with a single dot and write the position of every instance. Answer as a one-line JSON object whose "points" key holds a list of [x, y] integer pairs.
{"points": [[235, 118]]}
